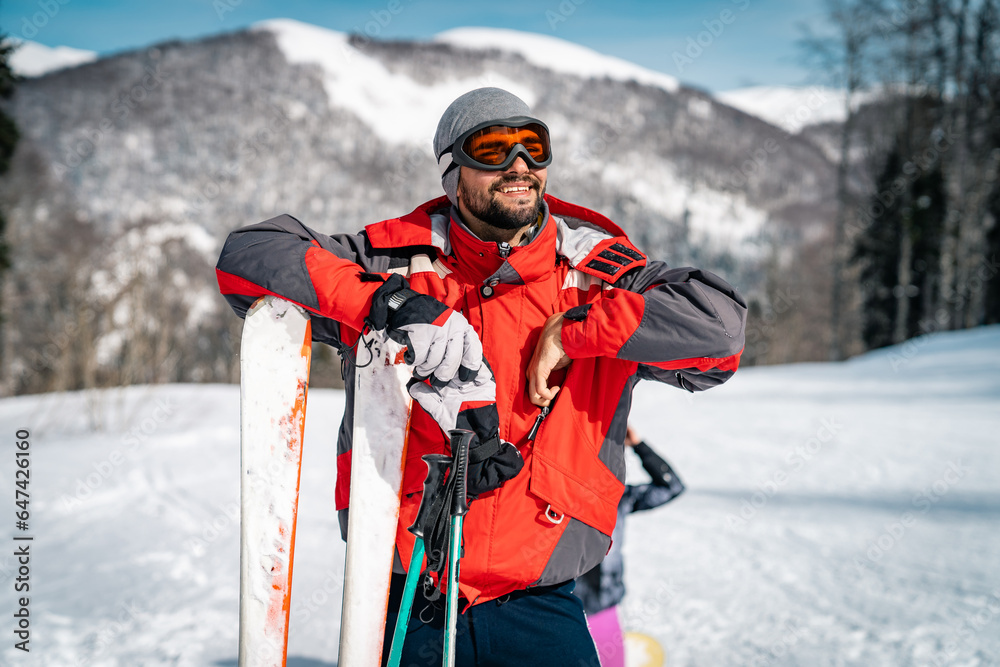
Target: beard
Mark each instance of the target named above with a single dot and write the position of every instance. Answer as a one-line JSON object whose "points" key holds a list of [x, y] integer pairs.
{"points": [[490, 209]]}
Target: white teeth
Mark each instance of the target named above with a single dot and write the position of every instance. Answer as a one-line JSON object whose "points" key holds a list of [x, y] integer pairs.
{"points": [[516, 188]]}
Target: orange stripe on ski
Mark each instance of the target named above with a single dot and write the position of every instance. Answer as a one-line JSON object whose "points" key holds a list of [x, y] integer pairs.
{"points": [[280, 601]]}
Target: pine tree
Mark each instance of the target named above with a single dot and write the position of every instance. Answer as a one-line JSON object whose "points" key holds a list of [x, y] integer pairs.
{"points": [[991, 90], [8, 135], [916, 205], [992, 301], [8, 141], [930, 207], [876, 249]]}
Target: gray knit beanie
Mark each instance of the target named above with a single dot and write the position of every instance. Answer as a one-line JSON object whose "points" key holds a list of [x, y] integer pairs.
{"points": [[473, 108]]}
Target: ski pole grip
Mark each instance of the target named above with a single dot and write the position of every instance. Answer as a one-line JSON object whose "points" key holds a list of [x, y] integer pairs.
{"points": [[437, 470], [460, 440]]}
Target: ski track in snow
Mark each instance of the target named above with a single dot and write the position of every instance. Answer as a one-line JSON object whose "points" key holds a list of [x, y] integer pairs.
{"points": [[789, 547]]}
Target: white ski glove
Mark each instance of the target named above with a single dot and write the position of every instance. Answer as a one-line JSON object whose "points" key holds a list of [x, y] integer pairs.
{"points": [[440, 343], [445, 403]]}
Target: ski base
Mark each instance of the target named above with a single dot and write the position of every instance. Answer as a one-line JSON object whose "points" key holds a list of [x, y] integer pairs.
{"points": [[381, 419], [274, 382]]}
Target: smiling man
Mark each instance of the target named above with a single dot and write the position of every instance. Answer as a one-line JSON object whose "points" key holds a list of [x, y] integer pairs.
{"points": [[532, 320]]}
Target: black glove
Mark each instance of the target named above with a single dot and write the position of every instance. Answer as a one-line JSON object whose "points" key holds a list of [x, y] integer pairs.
{"points": [[492, 461], [472, 406], [440, 342]]}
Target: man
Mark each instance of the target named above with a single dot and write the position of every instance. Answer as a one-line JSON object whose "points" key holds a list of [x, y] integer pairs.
{"points": [[503, 291]]}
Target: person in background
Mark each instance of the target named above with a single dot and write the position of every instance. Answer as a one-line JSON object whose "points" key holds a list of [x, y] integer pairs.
{"points": [[602, 588]]}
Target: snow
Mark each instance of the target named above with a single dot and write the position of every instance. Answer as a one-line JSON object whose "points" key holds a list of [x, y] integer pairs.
{"points": [[716, 220], [139, 252], [34, 59], [364, 86], [557, 55], [789, 107], [836, 514]]}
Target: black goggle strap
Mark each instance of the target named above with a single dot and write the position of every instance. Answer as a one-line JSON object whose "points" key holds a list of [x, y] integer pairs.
{"points": [[446, 162]]}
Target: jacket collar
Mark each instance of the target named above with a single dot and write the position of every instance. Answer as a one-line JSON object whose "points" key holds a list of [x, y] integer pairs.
{"points": [[488, 262], [583, 236]]}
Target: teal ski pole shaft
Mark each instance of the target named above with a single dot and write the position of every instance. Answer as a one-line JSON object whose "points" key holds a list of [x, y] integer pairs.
{"points": [[460, 505], [403, 619], [451, 607]]}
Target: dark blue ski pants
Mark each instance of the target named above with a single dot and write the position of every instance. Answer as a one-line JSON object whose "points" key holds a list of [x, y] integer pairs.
{"points": [[543, 626]]}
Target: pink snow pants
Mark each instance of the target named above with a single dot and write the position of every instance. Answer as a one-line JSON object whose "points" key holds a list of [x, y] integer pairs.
{"points": [[607, 634]]}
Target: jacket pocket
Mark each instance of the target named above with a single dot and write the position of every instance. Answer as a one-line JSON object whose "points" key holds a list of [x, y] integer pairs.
{"points": [[586, 491], [567, 472]]}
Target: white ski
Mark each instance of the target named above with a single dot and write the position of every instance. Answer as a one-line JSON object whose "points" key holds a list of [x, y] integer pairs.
{"points": [[274, 382], [381, 417]]}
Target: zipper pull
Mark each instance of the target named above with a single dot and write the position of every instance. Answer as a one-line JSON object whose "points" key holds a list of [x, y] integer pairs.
{"points": [[538, 422], [504, 248]]}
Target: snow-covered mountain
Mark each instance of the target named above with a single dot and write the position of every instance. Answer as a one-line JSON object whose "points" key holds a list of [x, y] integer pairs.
{"points": [[557, 55], [162, 130], [835, 514], [789, 107], [34, 59], [179, 143], [382, 98]]}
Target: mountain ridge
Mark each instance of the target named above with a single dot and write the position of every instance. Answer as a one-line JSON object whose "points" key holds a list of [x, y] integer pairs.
{"points": [[136, 147]]}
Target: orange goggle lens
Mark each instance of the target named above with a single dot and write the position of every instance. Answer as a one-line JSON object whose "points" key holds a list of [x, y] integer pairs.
{"points": [[492, 145]]}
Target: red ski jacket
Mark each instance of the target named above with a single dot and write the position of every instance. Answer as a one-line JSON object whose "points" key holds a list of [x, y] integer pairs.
{"points": [[626, 319]]}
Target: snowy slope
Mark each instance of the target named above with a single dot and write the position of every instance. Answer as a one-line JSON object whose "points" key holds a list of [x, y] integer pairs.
{"points": [[556, 54], [34, 59], [790, 108], [366, 87], [836, 515]]}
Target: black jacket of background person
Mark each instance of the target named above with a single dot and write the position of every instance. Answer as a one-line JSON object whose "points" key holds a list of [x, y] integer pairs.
{"points": [[604, 585]]}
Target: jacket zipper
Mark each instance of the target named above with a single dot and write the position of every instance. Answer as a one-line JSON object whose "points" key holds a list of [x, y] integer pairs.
{"points": [[538, 423]]}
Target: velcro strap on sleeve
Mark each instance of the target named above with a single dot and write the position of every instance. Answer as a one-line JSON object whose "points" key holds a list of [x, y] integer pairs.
{"points": [[611, 259]]}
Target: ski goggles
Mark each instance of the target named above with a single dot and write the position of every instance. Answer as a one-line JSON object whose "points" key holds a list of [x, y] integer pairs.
{"points": [[494, 146]]}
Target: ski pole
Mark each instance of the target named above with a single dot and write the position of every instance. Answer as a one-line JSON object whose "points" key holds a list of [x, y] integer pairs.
{"points": [[406, 605], [432, 505], [460, 505]]}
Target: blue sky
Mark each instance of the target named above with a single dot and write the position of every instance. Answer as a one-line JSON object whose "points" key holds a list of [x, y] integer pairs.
{"points": [[742, 42]]}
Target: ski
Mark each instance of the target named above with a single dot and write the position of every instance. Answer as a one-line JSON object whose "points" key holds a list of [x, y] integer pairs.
{"points": [[274, 382], [381, 420]]}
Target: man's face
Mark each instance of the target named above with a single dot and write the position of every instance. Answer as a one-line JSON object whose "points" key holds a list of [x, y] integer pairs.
{"points": [[508, 199]]}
